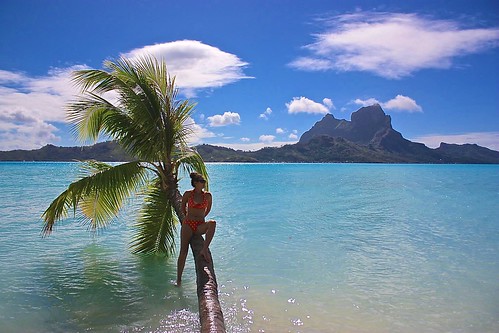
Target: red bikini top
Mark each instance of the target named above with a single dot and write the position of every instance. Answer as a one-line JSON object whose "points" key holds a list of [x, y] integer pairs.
{"points": [[202, 205]]}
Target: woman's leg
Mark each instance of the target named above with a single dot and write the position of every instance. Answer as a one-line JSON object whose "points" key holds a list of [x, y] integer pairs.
{"points": [[207, 228], [185, 237]]}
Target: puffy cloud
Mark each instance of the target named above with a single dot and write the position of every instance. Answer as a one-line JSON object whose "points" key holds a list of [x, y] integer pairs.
{"points": [[485, 139], [305, 105], [195, 65], [293, 135], [399, 103], [280, 130], [367, 102], [41, 97], [328, 103], [266, 114], [392, 45], [26, 134], [228, 118], [11, 77], [266, 138], [245, 139], [198, 132], [402, 103], [30, 105]]}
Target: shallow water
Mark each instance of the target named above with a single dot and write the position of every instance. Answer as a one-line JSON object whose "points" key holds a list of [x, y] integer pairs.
{"points": [[299, 248]]}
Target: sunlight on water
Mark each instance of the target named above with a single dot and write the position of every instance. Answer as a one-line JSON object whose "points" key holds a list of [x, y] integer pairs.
{"points": [[299, 248]]}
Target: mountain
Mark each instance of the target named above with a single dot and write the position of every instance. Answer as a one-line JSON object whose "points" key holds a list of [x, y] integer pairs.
{"points": [[104, 151], [467, 153], [368, 138], [367, 123], [371, 127]]}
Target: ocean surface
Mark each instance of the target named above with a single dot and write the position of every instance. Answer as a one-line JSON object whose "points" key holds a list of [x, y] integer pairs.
{"points": [[299, 248]]}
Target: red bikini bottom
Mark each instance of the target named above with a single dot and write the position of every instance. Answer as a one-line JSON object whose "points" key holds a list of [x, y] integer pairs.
{"points": [[193, 224]]}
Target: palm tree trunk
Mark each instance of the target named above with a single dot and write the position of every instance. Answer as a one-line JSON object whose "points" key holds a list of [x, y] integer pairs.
{"points": [[210, 313]]}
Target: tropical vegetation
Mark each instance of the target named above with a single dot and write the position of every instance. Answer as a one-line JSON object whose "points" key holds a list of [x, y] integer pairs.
{"points": [[134, 102]]}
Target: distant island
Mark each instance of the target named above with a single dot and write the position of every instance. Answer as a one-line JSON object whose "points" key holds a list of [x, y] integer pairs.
{"points": [[368, 138]]}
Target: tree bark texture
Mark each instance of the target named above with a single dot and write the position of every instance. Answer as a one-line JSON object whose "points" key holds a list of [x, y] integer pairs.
{"points": [[210, 312]]}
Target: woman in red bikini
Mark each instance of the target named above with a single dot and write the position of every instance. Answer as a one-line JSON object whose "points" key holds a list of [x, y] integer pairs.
{"points": [[196, 204]]}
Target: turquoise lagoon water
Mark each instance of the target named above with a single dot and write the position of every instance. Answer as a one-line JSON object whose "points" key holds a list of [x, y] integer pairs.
{"points": [[299, 248]]}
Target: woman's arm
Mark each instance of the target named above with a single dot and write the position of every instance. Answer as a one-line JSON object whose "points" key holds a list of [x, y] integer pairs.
{"points": [[208, 207]]}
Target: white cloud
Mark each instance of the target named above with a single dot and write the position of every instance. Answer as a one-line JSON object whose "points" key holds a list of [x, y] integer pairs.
{"points": [[305, 105], [266, 114], [402, 103], [293, 136], [328, 103], [279, 131], [484, 139], [195, 65], [228, 118], [392, 45], [367, 102], [198, 132], [245, 139], [29, 106], [266, 138], [399, 103], [12, 77], [312, 64]]}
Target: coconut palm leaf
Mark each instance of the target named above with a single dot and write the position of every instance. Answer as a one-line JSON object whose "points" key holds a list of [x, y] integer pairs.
{"points": [[188, 160], [155, 229], [93, 115], [100, 194], [147, 120], [135, 102]]}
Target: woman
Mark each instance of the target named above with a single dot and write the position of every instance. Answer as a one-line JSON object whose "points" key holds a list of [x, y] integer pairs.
{"points": [[196, 204]]}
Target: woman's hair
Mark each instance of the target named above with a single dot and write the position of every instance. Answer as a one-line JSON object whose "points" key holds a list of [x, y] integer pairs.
{"points": [[195, 177]]}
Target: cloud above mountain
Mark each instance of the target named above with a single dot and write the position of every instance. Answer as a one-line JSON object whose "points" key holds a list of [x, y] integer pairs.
{"points": [[400, 104], [392, 45], [306, 105]]}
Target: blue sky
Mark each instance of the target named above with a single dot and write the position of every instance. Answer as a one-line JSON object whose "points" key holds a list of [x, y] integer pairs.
{"points": [[262, 72]]}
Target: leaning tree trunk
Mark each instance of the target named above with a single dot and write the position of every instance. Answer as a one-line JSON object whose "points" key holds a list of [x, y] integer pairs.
{"points": [[210, 313]]}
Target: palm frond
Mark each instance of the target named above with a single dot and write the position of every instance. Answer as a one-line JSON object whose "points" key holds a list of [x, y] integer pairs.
{"points": [[100, 193], [155, 229], [135, 102], [188, 160], [91, 116], [93, 79], [147, 119]]}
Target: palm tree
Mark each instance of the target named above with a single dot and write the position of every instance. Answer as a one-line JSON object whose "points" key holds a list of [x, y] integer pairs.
{"points": [[135, 103]]}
